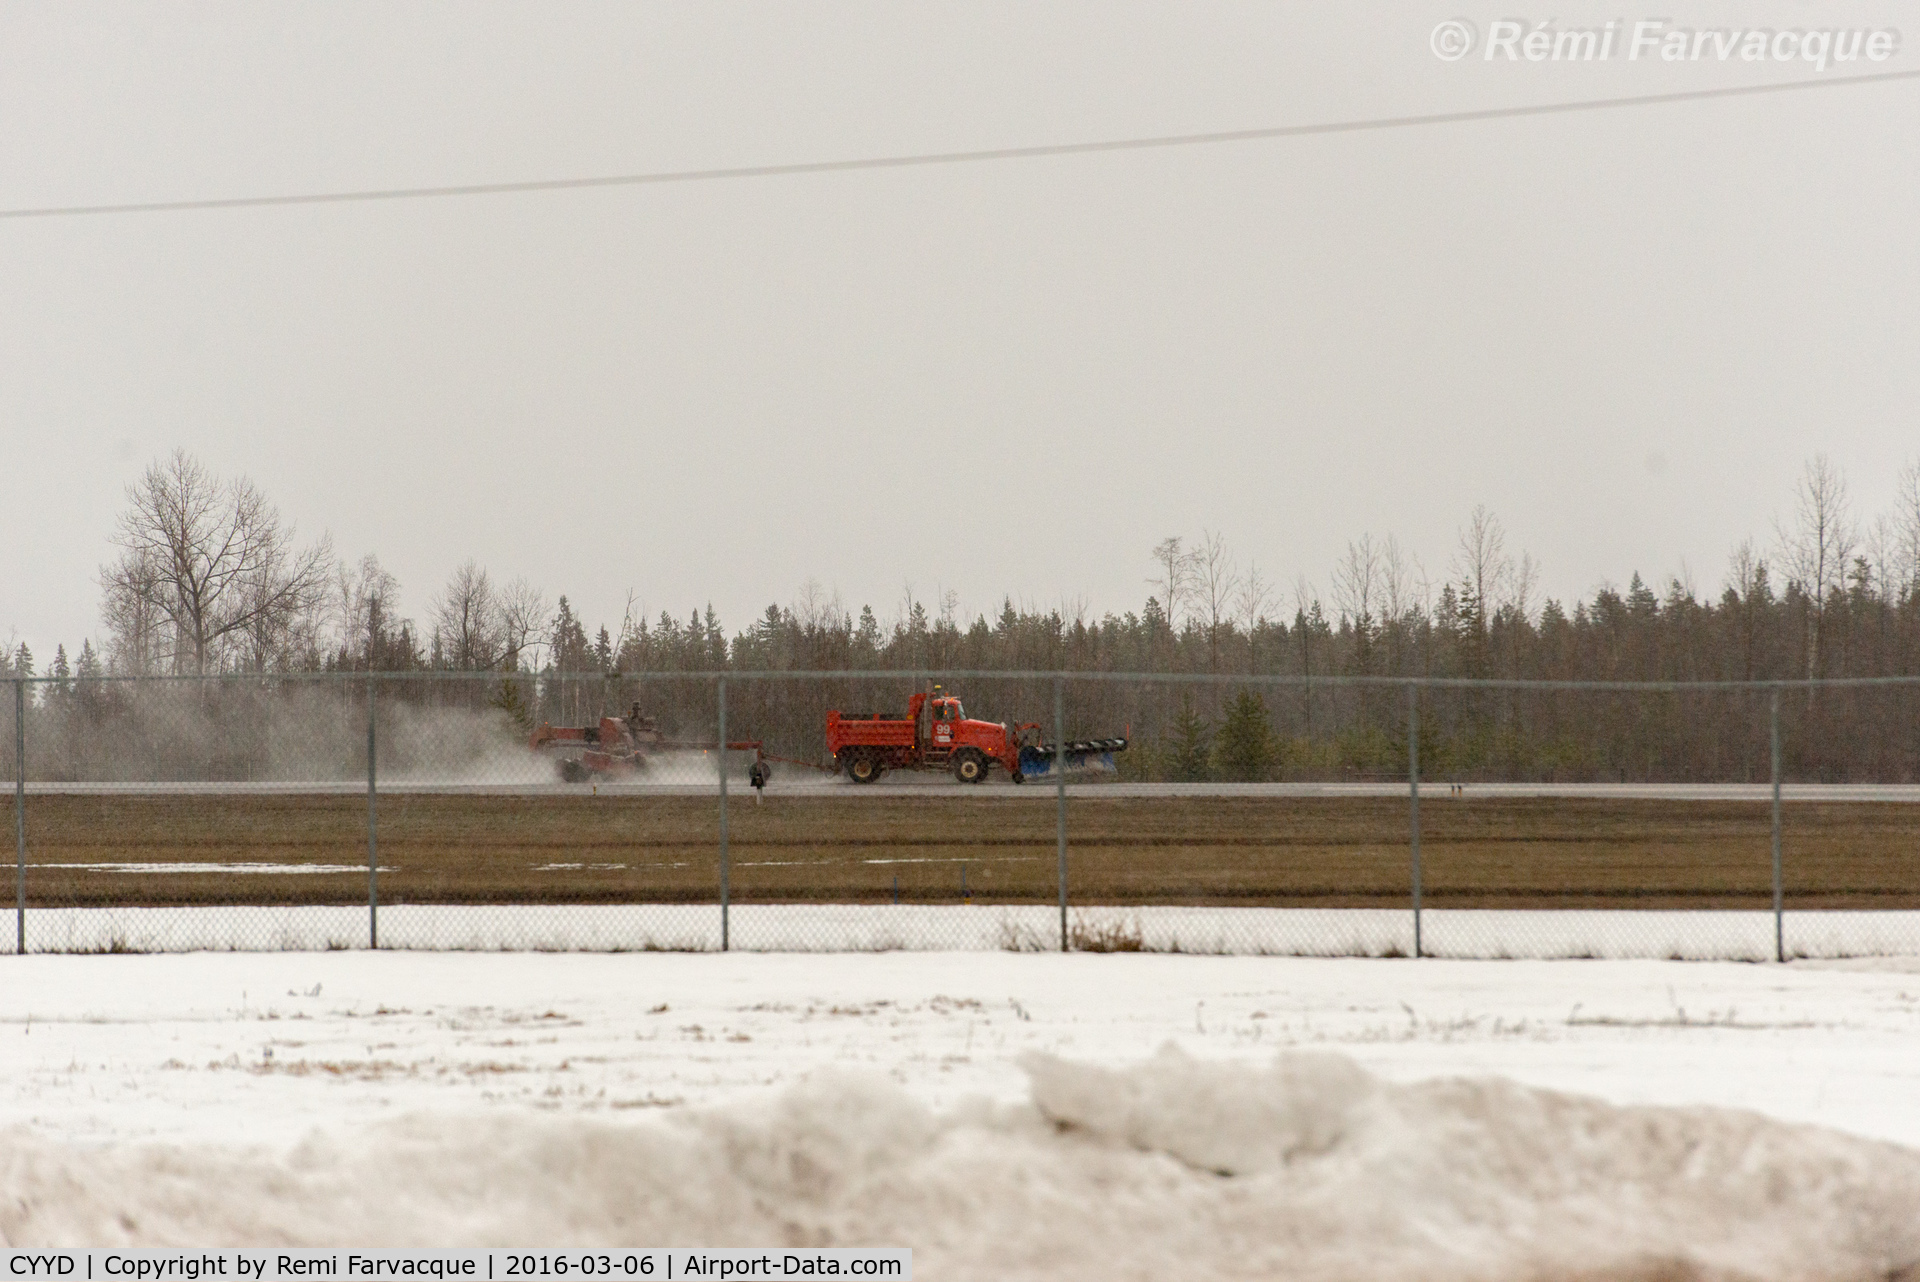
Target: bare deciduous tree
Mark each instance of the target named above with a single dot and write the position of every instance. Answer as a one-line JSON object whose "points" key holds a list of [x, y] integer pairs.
{"points": [[1357, 588], [136, 640], [1482, 563], [1403, 583], [292, 638], [1880, 555], [1357, 584], [468, 630], [1905, 533], [817, 610], [365, 598], [1745, 570], [1214, 580], [206, 569], [1525, 577], [1305, 596], [526, 618], [1176, 577], [1817, 545], [1250, 604], [633, 626]]}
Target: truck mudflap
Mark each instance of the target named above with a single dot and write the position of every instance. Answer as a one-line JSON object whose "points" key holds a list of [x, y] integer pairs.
{"points": [[1084, 757]]}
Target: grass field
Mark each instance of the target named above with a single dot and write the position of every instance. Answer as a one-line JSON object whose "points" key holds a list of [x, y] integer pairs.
{"points": [[1276, 852]]}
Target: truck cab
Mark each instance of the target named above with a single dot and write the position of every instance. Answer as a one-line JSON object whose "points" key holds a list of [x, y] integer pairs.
{"points": [[964, 746]]}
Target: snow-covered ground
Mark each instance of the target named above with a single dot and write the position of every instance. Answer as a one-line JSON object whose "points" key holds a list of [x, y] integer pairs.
{"points": [[1296, 932], [1007, 1115]]}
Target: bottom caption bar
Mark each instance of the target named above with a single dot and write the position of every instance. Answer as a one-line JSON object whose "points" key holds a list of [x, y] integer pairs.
{"points": [[658, 1264]]}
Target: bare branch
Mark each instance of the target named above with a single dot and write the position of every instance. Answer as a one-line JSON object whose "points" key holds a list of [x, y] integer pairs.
{"points": [[1905, 532], [208, 572], [1482, 564], [1250, 604], [1176, 578], [1816, 547], [526, 617], [1358, 581], [469, 631], [1215, 578]]}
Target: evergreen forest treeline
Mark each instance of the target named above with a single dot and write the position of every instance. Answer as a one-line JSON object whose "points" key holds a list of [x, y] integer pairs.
{"points": [[1829, 597]]}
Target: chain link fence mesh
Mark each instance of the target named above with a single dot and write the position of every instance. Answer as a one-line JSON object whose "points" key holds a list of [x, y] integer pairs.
{"points": [[13, 747], [581, 811]]}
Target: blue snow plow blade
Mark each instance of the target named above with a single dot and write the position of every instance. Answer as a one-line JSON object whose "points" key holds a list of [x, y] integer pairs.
{"points": [[1084, 756]]}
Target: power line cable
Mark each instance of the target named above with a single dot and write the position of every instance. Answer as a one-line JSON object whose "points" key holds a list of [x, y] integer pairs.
{"points": [[955, 157]]}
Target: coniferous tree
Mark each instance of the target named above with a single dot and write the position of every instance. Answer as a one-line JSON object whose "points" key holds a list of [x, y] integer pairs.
{"points": [[571, 652], [1189, 759], [510, 699], [87, 672], [62, 674], [869, 638], [1244, 752]]}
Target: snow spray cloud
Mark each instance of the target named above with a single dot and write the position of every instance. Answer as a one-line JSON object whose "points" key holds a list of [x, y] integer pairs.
{"points": [[270, 731]]}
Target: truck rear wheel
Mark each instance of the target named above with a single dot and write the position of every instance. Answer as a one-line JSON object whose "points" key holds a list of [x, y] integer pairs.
{"points": [[970, 767], [863, 769]]}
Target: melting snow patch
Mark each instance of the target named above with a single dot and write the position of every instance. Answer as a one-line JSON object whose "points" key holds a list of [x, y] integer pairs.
{"points": [[1307, 1168], [204, 869]]}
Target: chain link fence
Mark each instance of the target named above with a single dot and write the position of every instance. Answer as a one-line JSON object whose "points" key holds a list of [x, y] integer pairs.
{"points": [[915, 810]]}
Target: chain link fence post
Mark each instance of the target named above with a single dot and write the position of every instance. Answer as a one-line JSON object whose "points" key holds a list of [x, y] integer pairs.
{"points": [[726, 865], [20, 818], [1060, 787], [1413, 803], [1779, 922], [373, 836]]}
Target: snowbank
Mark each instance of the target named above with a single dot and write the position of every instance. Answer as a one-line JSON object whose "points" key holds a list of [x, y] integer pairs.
{"points": [[1309, 1168]]}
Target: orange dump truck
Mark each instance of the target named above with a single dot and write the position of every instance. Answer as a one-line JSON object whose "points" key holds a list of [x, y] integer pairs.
{"points": [[937, 734]]}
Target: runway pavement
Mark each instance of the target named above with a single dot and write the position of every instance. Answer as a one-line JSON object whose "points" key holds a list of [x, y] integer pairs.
{"points": [[918, 786]]}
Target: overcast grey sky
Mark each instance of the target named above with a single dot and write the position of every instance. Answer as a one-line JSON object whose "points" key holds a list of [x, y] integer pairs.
{"points": [[1623, 331]]}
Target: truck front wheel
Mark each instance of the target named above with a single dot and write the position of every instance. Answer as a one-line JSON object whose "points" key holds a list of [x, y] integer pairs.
{"points": [[863, 769], [970, 767]]}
